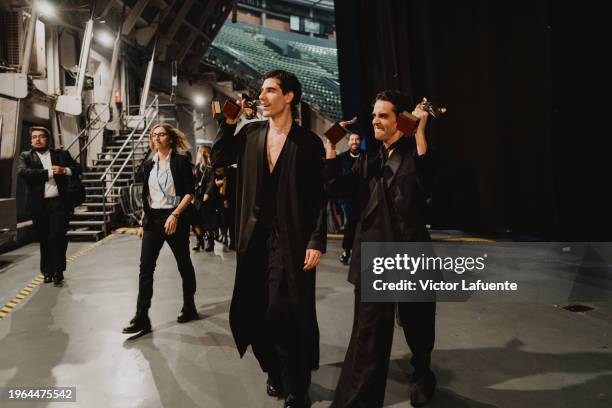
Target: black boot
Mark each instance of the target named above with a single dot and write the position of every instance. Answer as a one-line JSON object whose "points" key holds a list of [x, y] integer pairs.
{"points": [[210, 243], [200, 243], [344, 258], [139, 324], [274, 386], [58, 279], [188, 312]]}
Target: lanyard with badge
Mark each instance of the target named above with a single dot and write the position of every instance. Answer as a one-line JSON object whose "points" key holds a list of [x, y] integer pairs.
{"points": [[172, 200]]}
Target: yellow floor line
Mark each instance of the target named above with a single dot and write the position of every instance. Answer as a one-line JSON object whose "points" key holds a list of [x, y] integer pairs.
{"points": [[36, 282]]}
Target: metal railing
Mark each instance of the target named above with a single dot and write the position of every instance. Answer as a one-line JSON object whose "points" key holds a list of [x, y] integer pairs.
{"points": [[150, 114], [82, 132]]}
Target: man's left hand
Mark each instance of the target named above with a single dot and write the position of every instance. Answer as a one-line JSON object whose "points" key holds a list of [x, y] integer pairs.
{"points": [[171, 224], [312, 258]]}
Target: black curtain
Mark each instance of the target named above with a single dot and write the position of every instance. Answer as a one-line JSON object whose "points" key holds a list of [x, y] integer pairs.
{"points": [[511, 75]]}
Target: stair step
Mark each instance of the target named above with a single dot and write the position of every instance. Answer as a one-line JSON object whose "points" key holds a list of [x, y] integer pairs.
{"points": [[88, 222], [89, 213], [102, 196], [86, 233], [99, 204], [100, 188]]}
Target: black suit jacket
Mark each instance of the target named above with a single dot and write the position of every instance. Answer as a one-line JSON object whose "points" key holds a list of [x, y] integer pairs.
{"points": [[31, 170], [390, 200], [182, 176]]}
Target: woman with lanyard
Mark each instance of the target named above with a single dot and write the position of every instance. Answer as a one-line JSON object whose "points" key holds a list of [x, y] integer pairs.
{"points": [[167, 193]]}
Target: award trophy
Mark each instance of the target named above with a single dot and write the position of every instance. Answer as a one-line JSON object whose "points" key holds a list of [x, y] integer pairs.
{"points": [[338, 130], [407, 123]]}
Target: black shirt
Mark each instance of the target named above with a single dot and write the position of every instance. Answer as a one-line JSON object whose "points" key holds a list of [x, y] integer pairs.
{"points": [[270, 190]]}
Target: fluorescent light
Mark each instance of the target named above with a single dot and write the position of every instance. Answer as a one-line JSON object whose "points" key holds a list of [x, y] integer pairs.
{"points": [[45, 9], [105, 38], [199, 100]]}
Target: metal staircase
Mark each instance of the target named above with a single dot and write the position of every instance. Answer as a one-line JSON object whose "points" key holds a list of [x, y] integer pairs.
{"points": [[114, 168]]}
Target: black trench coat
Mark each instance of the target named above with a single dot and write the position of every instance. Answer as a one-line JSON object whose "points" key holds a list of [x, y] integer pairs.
{"points": [[301, 206]]}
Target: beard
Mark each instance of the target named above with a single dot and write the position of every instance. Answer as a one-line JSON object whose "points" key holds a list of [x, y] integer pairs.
{"points": [[41, 149]]}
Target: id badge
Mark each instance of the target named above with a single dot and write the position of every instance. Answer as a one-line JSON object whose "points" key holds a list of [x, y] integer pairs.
{"points": [[173, 200]]}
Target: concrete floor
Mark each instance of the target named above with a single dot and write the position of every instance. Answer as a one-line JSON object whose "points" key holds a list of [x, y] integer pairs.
{"points": [[487, 355]]}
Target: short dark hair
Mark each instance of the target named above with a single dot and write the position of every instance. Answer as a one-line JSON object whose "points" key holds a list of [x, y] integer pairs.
{"points": [[41, 129], [288, 82], [401, 102]]}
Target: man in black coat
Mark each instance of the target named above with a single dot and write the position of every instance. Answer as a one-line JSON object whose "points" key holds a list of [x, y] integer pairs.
{"points": [[347, 160], [389, 189], [46, 173], [280, 213]]}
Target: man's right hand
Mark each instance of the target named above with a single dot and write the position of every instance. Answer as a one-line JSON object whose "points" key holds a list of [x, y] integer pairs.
{"points": [[230, 121], [140, 232], [330, 149]]}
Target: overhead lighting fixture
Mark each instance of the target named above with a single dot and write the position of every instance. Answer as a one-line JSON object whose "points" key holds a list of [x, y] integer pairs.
{"points": [[45, 9], [199, 100], [105, 38]]}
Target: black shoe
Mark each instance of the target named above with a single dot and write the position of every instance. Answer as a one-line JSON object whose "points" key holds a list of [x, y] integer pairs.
{"points": [[141, 326], [200, 244], [48, 278], [187, 316], [422, 390], [274, 387], [293, 401], [58, 279], [344, 258], [210, 246]]}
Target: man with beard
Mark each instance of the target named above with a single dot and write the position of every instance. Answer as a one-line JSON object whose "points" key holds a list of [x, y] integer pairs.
{"points": [[389, 190], [347, 160], [46, 173], [280, 213]]}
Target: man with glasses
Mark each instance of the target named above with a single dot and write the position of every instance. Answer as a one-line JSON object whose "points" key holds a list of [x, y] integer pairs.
{"points": [[46, 172]]}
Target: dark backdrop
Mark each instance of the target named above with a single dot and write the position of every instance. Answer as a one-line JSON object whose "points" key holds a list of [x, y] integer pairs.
{"points": [[514, 152]]}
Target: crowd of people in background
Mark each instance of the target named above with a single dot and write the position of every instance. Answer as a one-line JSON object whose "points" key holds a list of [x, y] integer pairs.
{"points": [[213, 203]]}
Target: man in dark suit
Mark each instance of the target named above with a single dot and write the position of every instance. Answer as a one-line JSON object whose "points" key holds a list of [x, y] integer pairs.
{"points": [[389, 189], [280, 213], [347, 160], [46, 173]]}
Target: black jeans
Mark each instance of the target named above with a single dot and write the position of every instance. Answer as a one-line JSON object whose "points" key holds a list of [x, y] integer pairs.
{"points": [[51, 224], [276, 346], [152, 242], [363, 378]]}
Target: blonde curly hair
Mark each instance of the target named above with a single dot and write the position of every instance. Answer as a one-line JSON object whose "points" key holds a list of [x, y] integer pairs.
{"points": [[178, 140]]}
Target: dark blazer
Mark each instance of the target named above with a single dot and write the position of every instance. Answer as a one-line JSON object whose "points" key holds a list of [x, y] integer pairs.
{"points": [[301, 205], [390, 207], [30, 169], [182, 176]]}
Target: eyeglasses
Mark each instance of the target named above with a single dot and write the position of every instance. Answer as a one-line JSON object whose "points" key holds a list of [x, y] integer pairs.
{"points": [[39, 136], [154, 135]]}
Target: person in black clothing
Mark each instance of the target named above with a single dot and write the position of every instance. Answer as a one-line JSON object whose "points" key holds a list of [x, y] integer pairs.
{"points": [[46, 173], [281, 235], [230, 210], [347, 160], [389, 190], [167, 193], [206, 222], [215, 193]]}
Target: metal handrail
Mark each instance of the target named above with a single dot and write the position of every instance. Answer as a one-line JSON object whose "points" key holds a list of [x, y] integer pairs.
{"points": [[127, 159], [110, 166], [129, 139], [89, 142], [85, 128]]}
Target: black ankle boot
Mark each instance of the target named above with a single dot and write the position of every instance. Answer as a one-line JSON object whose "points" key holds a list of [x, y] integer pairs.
{"points": [[200, 243], [210, 243], [139, 324]]}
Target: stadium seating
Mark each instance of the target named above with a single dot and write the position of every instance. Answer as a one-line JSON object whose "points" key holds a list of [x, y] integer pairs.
{"points": [[315, 65]]}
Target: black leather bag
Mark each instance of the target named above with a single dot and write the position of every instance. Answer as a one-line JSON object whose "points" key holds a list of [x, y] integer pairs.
{"points": [[76, 191]]}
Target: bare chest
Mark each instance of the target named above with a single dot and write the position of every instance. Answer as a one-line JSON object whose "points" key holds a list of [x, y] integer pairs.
{"points": [[274, 147]]}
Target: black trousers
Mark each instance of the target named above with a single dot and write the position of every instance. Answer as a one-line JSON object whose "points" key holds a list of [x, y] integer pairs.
{"points": [[152, 242], [51, 224], [276, 346], [350, 222], [363, 378]]}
